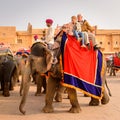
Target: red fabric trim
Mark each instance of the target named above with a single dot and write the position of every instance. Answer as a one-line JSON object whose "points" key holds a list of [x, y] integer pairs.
{"points": [[79, 62]]}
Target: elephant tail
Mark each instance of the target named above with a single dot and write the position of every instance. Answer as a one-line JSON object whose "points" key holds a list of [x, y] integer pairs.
{"points": [[109, 92]]}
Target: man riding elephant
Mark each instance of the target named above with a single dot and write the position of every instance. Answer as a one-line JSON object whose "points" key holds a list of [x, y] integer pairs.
{"points": [[87, 28]]}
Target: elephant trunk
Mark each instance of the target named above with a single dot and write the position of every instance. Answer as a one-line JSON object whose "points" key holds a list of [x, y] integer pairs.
{"points": [[24, 97], [26, 84]]}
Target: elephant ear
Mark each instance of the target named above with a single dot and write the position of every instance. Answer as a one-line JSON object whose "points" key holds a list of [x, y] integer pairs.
{"points": [[49, 59]]}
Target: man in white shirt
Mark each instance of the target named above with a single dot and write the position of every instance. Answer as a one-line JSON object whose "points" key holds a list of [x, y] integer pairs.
{"points": [[49, 37]]}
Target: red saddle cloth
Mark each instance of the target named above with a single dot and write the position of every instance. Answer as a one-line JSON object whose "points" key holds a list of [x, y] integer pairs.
{"points": [[82, 67], [116, 61]]}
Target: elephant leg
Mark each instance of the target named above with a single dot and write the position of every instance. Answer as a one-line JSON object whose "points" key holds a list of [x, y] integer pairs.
{"points": [[6, 78], [44, 84], [94, 102], [59, 93], [15, 77], [39, 82], [26, 84], [73, 100], [114, 73], [6, 83], [111, 71], [2, 86], [34, 78], [21, 87], [11, 87], [6, 89], [51, 88], [105, 99]]}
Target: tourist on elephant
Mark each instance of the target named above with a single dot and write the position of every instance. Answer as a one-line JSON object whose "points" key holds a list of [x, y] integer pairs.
{"points": [[76, 29], [87, 28]]}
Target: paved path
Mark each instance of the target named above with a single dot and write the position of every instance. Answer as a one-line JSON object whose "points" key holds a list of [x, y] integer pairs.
{"points": [[9, 106]]}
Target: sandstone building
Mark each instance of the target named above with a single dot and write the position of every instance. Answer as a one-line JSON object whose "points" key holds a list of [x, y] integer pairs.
{"points": [[109, 40]]}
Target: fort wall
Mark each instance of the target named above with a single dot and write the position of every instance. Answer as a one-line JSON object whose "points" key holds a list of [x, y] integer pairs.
{"points": [[109, 40]]}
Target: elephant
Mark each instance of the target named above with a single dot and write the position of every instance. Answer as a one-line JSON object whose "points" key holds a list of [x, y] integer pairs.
{"points": [[109, 63], [7, 71], [20, 59], [112, 69], [42, 62]]}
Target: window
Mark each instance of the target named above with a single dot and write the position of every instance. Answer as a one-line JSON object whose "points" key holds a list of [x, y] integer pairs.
{"points": [[19, 40], [116, 42], [108, 43], [4, 34], [43, 31]]}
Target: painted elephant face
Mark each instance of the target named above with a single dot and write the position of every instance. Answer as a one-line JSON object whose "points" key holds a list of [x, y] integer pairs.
{"points": [[41, 58]]}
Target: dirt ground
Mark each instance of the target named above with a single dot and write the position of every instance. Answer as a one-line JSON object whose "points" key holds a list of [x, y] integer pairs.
{"points": [[9, 106]]}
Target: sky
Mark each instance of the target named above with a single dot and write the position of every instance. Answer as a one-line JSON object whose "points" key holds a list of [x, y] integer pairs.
{"points": [[103, 13]]}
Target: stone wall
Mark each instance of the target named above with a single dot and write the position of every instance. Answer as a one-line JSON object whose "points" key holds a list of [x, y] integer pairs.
{"points": [[8, 35], [109, 40]]}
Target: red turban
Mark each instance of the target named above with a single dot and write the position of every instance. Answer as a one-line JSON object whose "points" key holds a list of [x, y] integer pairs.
{"points": [[49, 21], [35, 37]]}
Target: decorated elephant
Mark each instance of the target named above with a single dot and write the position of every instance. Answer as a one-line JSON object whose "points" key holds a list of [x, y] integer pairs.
{"points": [[7, 71], [41, 60], [20, 59], [113, 64]]}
